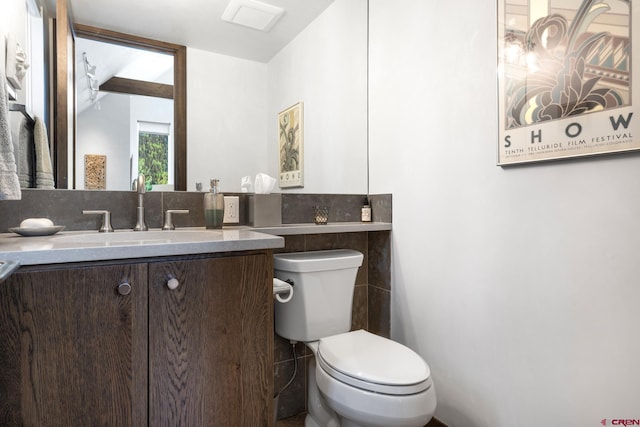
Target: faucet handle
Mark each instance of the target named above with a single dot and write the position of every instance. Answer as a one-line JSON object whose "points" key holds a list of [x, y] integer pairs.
{"points": [[168, 222], [106, 220], [141, 186]]}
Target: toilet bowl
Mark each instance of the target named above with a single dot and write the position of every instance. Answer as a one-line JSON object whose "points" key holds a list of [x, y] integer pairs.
{"points": [[357, 379], [372, 381]]}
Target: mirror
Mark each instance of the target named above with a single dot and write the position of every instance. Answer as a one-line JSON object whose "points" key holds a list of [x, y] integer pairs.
{"points": [[233, 105], [73, 163], [127, 111], [23, 53]]}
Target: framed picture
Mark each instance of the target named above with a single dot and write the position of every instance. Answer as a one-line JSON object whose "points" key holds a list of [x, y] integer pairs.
{"points": [[95, 172], [291, 144], [565, 74]]}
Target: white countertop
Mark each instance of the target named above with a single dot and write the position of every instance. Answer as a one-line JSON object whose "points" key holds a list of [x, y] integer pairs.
{"points": [[81, 246]]}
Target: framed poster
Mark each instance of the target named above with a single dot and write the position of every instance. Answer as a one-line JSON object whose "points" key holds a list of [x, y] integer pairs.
{"points": [[291, 143], [565, 79]]}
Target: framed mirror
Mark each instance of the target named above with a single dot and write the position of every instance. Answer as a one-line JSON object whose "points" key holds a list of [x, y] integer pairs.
{"points": [[70, 163]]}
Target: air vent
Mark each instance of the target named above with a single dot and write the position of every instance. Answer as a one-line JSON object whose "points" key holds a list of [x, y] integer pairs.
{"points": [[252, 14]]}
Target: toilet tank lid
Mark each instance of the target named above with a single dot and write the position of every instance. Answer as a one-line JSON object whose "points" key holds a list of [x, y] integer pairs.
{"points": [[300, 262]]}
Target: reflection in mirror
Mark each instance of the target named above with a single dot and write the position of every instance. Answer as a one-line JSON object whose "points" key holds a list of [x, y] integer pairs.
{"points": [[119, 133], [23, 37], [235, 96], [129, 89]]}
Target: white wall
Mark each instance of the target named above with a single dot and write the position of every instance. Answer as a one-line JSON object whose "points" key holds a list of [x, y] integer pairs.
{"points": [[106, 131], [226, 130], [325, 68], [518, 285]]}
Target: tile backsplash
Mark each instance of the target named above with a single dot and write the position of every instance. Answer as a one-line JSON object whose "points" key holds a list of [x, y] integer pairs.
{"points": [[64, 207]]}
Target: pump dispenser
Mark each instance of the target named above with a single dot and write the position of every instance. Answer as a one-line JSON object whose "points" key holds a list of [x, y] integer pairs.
{"points": [[366, 210], [213, 206]]}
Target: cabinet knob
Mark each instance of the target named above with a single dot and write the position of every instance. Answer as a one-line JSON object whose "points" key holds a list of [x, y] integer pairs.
{"points": [[173, 283], [124, 288]]}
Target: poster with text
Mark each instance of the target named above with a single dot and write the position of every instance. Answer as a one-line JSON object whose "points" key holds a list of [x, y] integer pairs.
{"points": [[291, 144], [565, 79]]}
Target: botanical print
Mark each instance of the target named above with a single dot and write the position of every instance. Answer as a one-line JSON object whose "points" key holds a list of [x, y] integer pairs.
{"points": [[291, 146], [561, 61]]}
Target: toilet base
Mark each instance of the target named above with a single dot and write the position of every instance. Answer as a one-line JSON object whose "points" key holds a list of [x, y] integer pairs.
{"points": [[319, 414]]}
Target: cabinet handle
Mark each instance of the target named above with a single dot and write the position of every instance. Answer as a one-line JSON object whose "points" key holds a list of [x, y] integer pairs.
{"points": [[173, 283], [124, 288]]}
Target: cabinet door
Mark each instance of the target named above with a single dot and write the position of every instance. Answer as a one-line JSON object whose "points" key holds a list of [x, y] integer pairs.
{"points": [[73, 350], [211, 342]]}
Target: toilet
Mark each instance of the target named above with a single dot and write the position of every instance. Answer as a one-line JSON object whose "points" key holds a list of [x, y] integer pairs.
{"points": [[357, 379]]}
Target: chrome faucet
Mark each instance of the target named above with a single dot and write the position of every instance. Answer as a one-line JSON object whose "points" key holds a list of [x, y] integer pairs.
{"points": [[139, 185]]}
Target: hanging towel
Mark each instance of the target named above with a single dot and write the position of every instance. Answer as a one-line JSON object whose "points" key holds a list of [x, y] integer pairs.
{"points": [[9, 184], [26, 154], [44, 170]]}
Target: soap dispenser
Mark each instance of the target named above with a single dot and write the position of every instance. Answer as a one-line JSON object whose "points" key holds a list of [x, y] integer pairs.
{"points": [[213, 206]]}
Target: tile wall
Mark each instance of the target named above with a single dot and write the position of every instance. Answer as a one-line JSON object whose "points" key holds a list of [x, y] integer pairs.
{"points": [[64, 207], [371, 305]]}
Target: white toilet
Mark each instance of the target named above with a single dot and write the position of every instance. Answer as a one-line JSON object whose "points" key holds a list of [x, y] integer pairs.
{"points": [[357, 379]]}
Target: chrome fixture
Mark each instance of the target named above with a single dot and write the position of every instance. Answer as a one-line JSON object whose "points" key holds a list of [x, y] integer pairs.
{"points": [[140, 186], [106, 220], [168, 220]]}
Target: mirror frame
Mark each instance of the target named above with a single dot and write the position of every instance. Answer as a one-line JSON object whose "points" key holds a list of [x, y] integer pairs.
{"points": [[62, 93]]}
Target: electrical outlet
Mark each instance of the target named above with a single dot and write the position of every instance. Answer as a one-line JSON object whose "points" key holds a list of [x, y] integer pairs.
{"points": [[231, 210]]}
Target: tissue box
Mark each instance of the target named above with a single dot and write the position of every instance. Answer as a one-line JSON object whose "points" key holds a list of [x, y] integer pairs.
{"points": [[265, 210]]}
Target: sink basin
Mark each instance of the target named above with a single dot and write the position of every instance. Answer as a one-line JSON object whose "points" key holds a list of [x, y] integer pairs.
{"points": [[138, 237]]}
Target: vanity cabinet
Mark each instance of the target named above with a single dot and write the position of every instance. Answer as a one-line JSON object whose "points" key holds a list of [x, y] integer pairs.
{"points": [[115, 345], [211, 342]]}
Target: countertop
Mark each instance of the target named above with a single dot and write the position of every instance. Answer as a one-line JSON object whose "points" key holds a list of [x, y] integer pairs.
{"points": [[81, 246]]}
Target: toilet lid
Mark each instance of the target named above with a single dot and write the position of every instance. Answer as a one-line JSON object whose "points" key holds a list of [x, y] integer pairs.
{"points": [[374, 363]]}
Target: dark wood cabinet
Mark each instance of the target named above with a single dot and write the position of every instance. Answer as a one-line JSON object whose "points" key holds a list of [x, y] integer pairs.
{"points": [[72, 348], [75, 351], [211, 342]]}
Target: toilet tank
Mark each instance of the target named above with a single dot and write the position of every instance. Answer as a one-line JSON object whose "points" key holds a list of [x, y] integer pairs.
{"points": [[322, 293]]}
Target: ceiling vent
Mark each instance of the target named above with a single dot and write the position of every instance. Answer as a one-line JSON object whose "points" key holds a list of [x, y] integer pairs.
{"points": [[253, 14]]}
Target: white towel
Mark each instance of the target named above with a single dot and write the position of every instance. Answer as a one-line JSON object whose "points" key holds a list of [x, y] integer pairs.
{"points": [[44, 170], [9, 184]]}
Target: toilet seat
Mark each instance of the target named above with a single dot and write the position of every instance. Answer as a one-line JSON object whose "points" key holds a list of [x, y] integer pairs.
{"points": [[370, 362]]}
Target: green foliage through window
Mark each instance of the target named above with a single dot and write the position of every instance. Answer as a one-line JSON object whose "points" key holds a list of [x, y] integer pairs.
{"points": [[153, 156]]}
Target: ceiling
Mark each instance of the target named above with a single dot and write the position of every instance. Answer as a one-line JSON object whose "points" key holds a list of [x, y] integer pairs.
{"points": [[198, 24]]}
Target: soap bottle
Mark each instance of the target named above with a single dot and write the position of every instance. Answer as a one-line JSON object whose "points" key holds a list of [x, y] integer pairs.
{"points": [[213, 206], [366, 211]]}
